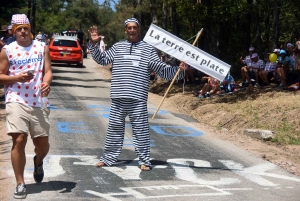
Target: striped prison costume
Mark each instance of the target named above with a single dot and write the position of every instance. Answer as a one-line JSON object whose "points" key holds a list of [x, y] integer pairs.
{"points": [[131, 67]]}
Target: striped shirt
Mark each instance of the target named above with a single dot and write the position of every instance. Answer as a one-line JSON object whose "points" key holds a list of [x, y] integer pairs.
{"points": [[247, 60], [259, 65], [132, 64], [270, 67]]}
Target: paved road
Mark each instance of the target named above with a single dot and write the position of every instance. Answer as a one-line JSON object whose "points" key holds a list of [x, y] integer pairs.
{"points": [[188, 165]]}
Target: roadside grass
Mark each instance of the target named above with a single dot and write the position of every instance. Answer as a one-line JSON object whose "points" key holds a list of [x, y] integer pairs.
{"points": [[277, 111], [265, 108]]}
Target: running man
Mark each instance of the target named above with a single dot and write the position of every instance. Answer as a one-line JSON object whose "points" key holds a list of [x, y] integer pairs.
{"points": [[25, 70]]}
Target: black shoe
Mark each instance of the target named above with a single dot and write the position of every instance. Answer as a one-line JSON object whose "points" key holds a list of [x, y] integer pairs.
{"points": [[20, 191], [38, 173]]}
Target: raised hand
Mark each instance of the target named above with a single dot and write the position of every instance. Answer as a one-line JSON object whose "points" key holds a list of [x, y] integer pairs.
{"points": [[94, 34]]}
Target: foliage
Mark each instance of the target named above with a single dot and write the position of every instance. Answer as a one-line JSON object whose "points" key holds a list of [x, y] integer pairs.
{"points": [[8, 8], [230, 26]]}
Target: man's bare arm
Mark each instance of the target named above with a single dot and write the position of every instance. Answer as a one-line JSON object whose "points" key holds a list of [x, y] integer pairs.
{"points": [[47, 79], [4, 67]]}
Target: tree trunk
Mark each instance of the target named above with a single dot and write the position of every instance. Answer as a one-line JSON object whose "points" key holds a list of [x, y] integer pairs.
{"points": [[139, 2], [173, 18], [257, 36], [211, 32], [275, 28], [164, 16], [33, 17], [29, 9], [153, 11], [247, 28], [267, 25]]}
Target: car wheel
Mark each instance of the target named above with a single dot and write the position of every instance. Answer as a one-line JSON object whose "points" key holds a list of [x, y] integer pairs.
{"points": [[79, 64]]}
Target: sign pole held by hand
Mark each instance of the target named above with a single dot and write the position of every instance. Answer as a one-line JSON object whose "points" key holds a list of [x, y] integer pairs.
{"points": [[198, 36]]}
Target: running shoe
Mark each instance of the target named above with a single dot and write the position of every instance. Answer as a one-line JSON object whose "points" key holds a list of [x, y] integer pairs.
{"points": [[20, 191], [38, 173]]}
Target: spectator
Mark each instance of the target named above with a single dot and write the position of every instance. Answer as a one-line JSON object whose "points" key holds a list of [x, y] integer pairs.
{"points": [[276, 51], [210, 88], [9, 30], [189, 74], [251, 72], [291, 75], [11, 38], [245, 62], [172, 61], [24, 115], [283, 64], [269, 71], [164, 57], [297, 59], [4, 32], [47, 40], [39, 37], [227, 85], [5, 35]]}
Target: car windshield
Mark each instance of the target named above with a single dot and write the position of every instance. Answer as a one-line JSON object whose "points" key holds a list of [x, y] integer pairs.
{"points": [[65, 43]]}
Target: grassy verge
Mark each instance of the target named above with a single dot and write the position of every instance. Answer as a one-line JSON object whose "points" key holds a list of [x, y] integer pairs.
{"points": [[265, 108]]}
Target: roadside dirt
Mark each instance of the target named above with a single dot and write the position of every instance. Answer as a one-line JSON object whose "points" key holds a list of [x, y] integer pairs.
{"points": [[226, 117], [5, 146]]}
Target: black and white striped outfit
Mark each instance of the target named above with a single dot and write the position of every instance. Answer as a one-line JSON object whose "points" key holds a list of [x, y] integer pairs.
{"points": [[131, 67]]}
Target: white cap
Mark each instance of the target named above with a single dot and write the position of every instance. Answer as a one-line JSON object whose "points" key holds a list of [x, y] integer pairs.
{"points": [[254, 55], [19, 19], [251, 49]]}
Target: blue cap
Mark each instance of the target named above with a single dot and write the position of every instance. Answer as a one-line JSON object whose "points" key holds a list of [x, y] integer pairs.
{"points": [[282, 52]]}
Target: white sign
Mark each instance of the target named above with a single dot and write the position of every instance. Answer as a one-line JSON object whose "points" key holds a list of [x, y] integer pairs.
{"points": [[186, 52]]}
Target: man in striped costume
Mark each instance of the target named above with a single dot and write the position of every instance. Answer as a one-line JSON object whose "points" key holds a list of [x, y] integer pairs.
{"points": [[132, 61]]}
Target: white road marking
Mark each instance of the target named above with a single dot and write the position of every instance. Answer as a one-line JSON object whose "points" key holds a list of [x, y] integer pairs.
{"points": [[255, 173], [168, 189], [186, 173], [183, 170]]}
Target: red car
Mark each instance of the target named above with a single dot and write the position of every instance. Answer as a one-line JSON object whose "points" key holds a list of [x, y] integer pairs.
{"points": [[65, 49]]}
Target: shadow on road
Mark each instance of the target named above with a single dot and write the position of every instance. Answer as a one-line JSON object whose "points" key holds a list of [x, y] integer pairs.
{"points": [[53, 83], [65, 186], [66, 65], [57, 70]]}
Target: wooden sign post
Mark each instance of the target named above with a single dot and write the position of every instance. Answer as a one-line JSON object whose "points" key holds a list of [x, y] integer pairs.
{"points": [[198, 36]]}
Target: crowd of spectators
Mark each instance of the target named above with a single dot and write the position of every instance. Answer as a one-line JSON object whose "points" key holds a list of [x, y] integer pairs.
{"points": [[256, 71], [283, 73]]}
